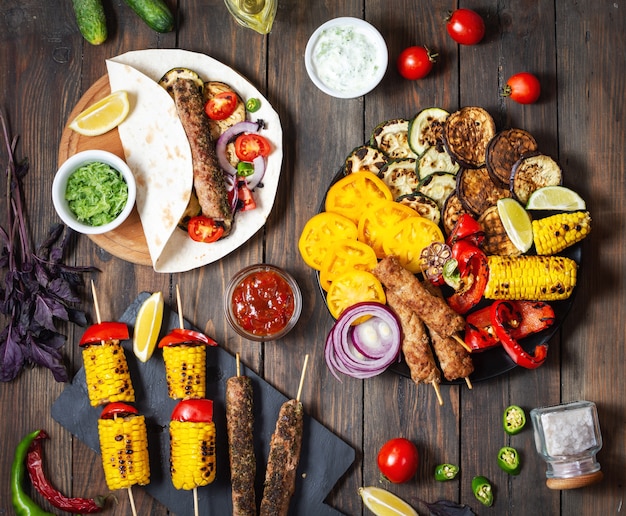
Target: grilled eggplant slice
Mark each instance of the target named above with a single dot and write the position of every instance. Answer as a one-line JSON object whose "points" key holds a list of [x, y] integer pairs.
{"points": [[496, 240], [365, 157], [452, 210], [400, 176], [504, 149], [438, 186], [477, 191], [532, 172], [391, 137], [219, 127], [426, 129], [423, 205], [436, 159], [467, 133], [171, 76]]}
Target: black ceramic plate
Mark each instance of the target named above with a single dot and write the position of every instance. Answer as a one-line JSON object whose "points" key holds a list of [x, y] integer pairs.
{"points": [[495, 361]]}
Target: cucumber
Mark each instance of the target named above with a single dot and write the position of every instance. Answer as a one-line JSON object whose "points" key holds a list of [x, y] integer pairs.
{"points": [[155, 13], [91, 20], [426, 129]]}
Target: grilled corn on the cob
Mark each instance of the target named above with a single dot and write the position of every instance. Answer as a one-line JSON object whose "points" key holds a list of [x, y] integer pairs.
{"points": [[537, 278], [555, 233], [185, 368], [106, 373], [124, 449], [192, 453]]}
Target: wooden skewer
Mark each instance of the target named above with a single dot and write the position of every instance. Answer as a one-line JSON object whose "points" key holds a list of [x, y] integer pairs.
{"points": [[461, 342], [468, 382], [181, 321], [306, 361], [437, 392], [238, 364], [195, 501]]}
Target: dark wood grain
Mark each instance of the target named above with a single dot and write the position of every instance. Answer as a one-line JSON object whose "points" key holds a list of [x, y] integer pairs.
{"points": [[576, 48]]}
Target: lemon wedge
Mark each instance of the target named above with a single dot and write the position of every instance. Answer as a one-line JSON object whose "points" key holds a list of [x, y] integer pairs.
{"points": [[384, 503], [148, 326], [516, 222], [104, 115], [555, 198]]}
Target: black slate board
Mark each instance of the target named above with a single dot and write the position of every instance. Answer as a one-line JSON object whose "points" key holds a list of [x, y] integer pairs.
{"points": [[324, 458]]}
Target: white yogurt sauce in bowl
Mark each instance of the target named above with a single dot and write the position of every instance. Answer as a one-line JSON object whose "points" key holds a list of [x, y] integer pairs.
{"points": [[346, 57]]}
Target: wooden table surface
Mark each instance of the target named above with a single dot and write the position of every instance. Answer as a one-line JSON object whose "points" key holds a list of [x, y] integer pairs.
{"points": [[577, 50]]}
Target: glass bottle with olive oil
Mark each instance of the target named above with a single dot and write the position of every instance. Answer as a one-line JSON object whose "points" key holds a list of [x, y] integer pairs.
{"points": [[257, 15]]}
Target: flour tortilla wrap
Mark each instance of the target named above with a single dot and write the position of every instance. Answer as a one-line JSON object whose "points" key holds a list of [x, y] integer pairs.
{"points": [[158, 153]]}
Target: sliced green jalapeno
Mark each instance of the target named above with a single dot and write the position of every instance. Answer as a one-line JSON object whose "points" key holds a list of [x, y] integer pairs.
{"points": [[508, 460], [481, 487], [513, 419], [253, 104], [445, 472]]}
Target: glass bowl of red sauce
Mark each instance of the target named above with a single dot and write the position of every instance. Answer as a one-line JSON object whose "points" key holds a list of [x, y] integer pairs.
{"points": [[262, 302]]}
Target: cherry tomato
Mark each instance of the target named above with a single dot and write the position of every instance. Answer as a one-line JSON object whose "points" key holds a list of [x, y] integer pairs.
{"points": [[415, 62], [221, 106], [204, 229], [465, 26], [196, 410], [250, 145], [244, 195], [398, 460], [523, 88], [104, 331]]}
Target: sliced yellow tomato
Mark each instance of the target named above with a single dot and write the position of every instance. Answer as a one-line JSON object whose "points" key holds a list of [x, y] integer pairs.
{"points": [[356, 192], [343, 256], [319, 234], [379, 219], [407, 239], [353, 286]]}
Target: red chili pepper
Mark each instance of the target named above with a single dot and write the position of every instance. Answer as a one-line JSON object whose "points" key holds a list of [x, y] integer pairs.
{"points": [[34, 464], [184, 336], [105, 331], [505, 317], [466, 228], [474, 270], [117, 408]]}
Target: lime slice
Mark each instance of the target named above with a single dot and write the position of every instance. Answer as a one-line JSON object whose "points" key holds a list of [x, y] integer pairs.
{"points": [[104, 115], [148, 326], [516, 222], [555, 198], [384, 503]]}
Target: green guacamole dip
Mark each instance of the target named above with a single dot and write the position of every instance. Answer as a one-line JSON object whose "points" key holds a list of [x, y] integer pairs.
{"points": [[96, 193]]}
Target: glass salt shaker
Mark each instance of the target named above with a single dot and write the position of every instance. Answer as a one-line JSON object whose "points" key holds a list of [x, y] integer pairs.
{"points": [[568, 438]]}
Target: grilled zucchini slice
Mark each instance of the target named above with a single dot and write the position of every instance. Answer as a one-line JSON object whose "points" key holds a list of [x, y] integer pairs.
{"points": [[219, 127], [365, 157], [466, 134], [400, 176], [438, 186], [504, 149], [391, 137], [423, 205], [426, 129], [436, 159], [533, 172], [171, 76], [477, 191]]}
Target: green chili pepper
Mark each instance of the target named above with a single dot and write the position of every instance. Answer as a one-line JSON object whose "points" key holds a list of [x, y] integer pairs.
{"points": [[22, 503], [508, 460], [513, 419], [445, 472], [245, 169], [253, 104], [481, 487]]}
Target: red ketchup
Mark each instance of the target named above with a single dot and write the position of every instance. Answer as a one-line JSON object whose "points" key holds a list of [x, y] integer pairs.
{"points": [[263, 303]]}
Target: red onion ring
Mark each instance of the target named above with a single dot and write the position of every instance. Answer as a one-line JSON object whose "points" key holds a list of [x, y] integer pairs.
{"points": [[220, 147], [365, 359], [259, 172]]}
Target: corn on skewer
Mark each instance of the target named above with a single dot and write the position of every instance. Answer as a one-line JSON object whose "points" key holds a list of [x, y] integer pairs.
{"points": [[554, 233], [537, 278]]}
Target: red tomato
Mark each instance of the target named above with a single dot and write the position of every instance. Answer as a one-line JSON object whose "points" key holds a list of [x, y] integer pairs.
{"points": [[250, 145], [415, 62], [523, 88], [200, 410], [244, 196], [398, 460], [465, 26], [104, 331], [204, 229], [221, 106]]}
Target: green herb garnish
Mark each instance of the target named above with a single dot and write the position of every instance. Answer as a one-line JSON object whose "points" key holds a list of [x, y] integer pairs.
{"points": [[96, 193]]}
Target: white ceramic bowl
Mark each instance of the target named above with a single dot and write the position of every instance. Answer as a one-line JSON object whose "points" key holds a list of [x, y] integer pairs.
{"points": [[59, 186], [346, 57]]}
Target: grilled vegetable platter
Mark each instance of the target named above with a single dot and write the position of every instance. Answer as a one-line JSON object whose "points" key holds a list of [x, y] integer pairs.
{"points": [[488, 199], [324, 457]]}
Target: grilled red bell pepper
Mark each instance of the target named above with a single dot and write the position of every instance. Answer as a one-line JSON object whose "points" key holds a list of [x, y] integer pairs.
{"points": [[504, 318], [474, 273], [183, 336], [480, 334], [466, 228], [117, 409], [105, 331]]}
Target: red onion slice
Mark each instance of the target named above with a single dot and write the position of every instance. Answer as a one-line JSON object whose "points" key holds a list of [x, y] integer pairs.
{"points": [[259, 172], [227, 136]]}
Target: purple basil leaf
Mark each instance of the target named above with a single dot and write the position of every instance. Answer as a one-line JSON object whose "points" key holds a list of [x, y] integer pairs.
{"points": [[51, 339], [448, 508], [77, 316], [11, 355], [46, 309], [63, 290], [49, 358]]}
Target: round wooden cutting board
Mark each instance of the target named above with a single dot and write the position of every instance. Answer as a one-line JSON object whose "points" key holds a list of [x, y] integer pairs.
{"points": [[128, 241]]}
